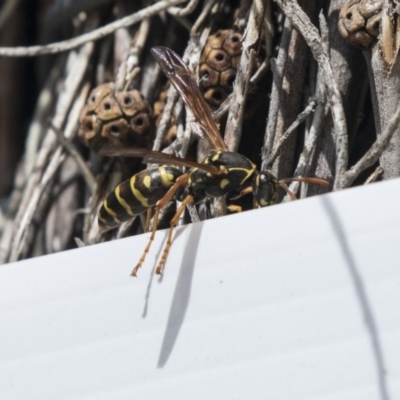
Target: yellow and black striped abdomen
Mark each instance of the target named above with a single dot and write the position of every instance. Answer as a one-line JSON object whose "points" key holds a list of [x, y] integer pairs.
{"points": [[137, 194]]}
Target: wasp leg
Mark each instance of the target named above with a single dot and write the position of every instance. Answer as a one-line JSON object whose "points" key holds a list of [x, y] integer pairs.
{"points": [[150, 241], [160, 267], [181, 181], [234, 208], [249, 190], [246, 191]]}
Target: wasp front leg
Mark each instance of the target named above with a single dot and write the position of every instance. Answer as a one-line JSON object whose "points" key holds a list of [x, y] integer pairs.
{"points": [[234, 208]]}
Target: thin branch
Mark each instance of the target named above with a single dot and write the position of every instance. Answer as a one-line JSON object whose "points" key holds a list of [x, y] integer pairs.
{"points": [[74, 153], [39, 180], [2, 221], [194, 216], [312, 136], [130, 66], [223, 109], [373, 154], [20, 239], [374, 176], [172, 97], [323, 26], [202, 17], [182, 12], [186, 135], [262, 70], [44, 106], [278, 67], [96, 34], [269, 30], [233, 130], [13, 204], [302, 23], [300, 118]]}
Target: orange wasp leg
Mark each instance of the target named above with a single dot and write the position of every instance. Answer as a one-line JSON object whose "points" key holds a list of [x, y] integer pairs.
{"points": [[180, 182], [160, 267]]}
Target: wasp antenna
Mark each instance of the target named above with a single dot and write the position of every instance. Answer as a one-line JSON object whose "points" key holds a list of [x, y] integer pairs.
{"points": [[286, 189], [316, 181]]}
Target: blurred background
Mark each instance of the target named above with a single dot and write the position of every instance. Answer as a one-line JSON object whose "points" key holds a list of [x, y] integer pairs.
{"points": [[19, 26]]}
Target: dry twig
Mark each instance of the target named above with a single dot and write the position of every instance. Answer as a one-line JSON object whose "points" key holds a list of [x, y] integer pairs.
{"points": [[187, 10], [278, 67], [300, 118], [374, 176], [77, 64], [96, 34], [373, 154], [71, 149], [313, 133], [233, 130], [302, 23]]}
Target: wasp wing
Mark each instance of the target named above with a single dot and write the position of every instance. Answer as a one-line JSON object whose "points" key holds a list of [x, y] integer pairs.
{"points": [[163, 158], [184, 82], [113, 150], [155, 157]]}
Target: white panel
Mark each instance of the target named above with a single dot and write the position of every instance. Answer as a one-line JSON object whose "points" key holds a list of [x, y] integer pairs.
{"points": [[297, 301]]}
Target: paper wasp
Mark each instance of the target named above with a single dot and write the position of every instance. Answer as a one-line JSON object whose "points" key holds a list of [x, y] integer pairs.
{"points": [[221, 173]]}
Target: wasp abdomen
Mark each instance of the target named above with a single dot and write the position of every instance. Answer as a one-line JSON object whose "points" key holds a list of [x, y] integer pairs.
{"points": [[135, 195]]}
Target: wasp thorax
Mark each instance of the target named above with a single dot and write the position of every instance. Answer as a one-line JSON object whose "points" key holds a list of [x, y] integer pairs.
{"points": [[122, 118], [218, 65], [264, 188], [359, 22], [235, 174]]}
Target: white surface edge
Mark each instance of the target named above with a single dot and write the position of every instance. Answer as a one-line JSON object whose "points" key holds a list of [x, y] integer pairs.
{"points": [[307, 308]]}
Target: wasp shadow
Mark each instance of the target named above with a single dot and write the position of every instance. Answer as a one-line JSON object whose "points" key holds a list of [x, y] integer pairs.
{"points": [[180, 300], [362, 296]]}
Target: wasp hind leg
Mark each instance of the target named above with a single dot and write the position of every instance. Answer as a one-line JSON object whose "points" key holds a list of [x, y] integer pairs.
{"points": [[150, 241], [161, 265], [181, 181]]}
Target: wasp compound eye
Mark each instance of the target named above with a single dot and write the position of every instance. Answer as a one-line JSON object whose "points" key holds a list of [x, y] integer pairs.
{"points": [[264, 188]]}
